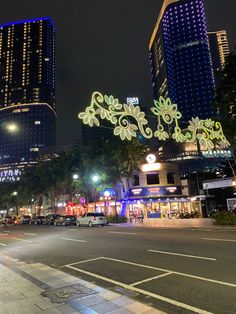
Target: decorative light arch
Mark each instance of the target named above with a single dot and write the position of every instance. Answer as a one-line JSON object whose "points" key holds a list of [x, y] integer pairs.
{"points": [[128, 120]]}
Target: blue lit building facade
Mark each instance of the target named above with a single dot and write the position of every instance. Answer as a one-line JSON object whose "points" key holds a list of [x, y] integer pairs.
{"points": [[180, 58], [27, 89]]}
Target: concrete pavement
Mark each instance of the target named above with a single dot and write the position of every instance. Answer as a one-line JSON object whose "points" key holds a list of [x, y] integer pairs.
{"points": [[174, 223], [37, 288]]}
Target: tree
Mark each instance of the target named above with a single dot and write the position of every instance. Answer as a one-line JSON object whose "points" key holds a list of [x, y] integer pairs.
{"points": [[226, 103]]}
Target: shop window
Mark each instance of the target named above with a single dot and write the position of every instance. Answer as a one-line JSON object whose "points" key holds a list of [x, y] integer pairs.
{"points": [[170, 178], [136, 180], [153, 179]]}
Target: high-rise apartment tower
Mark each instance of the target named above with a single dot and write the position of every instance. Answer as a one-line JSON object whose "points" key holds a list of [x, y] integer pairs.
{"points": [[27, 89], [180, 58]]}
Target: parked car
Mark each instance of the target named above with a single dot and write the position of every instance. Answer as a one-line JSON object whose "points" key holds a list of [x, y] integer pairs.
{"points": [[68, 220], [9, 219], [49, 219], [25, 219], [37, 220], [92, 219]]}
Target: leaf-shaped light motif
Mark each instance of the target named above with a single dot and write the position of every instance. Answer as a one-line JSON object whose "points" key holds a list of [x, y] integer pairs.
{"points": [[129, 119]]}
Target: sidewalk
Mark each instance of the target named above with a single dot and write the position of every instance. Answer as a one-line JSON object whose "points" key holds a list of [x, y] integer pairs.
{"points": [[174, 223], [37, 288]]}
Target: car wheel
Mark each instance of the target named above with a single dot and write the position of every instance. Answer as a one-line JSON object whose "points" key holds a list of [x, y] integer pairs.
{"points": [[90, 224], [55, 223], [63, 224]]}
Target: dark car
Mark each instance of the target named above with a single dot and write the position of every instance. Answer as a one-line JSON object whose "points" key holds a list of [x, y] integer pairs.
{"points": [[25, 219], [68, 220], [10, 219], [49, 219], [37, 220]]}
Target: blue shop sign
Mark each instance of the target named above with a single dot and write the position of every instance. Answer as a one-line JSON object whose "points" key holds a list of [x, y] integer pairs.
{"points": [[154, 191]]}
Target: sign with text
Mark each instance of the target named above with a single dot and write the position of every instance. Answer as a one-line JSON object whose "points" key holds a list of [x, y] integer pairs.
{"points": [[154, 191]]}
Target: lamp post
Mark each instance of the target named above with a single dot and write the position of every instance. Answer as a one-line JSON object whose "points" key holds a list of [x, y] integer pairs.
{"points": [[15, 197], [95, 179]]}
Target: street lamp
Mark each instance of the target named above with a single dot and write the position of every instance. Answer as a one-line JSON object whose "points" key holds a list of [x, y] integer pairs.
{"points": [[75, 176], [95, 178], [15, 195], [12, 127]]}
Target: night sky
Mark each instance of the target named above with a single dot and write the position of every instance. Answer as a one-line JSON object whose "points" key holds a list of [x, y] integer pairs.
{"points": [[103, 45]]}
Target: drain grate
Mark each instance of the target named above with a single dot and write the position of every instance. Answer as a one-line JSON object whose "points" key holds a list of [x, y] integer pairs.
{"points": [[64, 294]]}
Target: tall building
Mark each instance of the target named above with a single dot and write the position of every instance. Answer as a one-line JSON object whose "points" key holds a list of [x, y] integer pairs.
{"points": [[180, 58], [27, 89], [219, 48]]}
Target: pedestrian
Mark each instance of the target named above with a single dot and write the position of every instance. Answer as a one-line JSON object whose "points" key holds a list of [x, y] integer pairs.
{"points": [[141, 216]]}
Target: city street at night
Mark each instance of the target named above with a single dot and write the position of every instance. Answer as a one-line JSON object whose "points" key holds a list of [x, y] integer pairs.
{"points": [[173, 270]]}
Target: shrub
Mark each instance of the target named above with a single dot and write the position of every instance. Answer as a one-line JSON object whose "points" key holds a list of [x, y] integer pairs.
{"points": [[116, 219], [224, 218]]}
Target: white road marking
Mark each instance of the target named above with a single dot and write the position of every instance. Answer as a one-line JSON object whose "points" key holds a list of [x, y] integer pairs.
{"points": [[84, 261], [119, 232], [174, 272], [33, 234], [3, 234], [150, 294], [19, 239], [184, 255], [2, 244], [68, 239], [7, 231], [150, 279], [222, 240]]}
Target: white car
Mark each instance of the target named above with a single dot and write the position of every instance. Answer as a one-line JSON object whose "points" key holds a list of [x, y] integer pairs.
{"points": [[92, 219]]}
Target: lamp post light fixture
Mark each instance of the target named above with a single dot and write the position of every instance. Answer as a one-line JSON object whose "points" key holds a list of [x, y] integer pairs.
{"points": [[12, 127], [95, 178], [75, 176]]}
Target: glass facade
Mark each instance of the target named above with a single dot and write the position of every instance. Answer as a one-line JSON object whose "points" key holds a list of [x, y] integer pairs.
{"points": [[27, 89], [24, 130], [180, 58]]}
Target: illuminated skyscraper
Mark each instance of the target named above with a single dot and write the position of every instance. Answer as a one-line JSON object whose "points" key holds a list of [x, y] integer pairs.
{"points": [[27, 89], [219, 48], [180, 58]]}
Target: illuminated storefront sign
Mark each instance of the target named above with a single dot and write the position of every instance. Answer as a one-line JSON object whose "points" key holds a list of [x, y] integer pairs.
{"points": [[150, 167], [132, 100], [155, 191], [10, 175]]}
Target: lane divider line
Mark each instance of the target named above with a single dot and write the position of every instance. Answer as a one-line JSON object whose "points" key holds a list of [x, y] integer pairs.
{"points": [[173, 272], [75, 240], [144, 292], [184, 255], [150, 279], [2, 244], [119, 232], [33, 234], [222, 240], [19, 239], [84, 261]]}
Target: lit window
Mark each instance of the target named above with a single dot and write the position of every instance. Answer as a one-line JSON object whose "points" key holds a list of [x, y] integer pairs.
{"points": [[37, 122]]}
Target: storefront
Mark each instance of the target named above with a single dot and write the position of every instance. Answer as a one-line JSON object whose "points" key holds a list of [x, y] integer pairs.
{"points": [[171, 205]]}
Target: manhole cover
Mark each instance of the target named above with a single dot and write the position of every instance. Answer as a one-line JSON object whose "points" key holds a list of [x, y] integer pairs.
{"points": [[64, 294]]}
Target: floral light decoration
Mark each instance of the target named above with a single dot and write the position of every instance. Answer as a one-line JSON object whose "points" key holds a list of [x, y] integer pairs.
{"points": [[128, 120]]}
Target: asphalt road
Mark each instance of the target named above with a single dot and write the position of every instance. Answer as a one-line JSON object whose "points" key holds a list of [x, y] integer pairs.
{"points": [[177, 271]]}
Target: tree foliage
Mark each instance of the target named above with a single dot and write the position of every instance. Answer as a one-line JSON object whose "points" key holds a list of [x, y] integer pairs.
{"points": [[226, 98]]}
